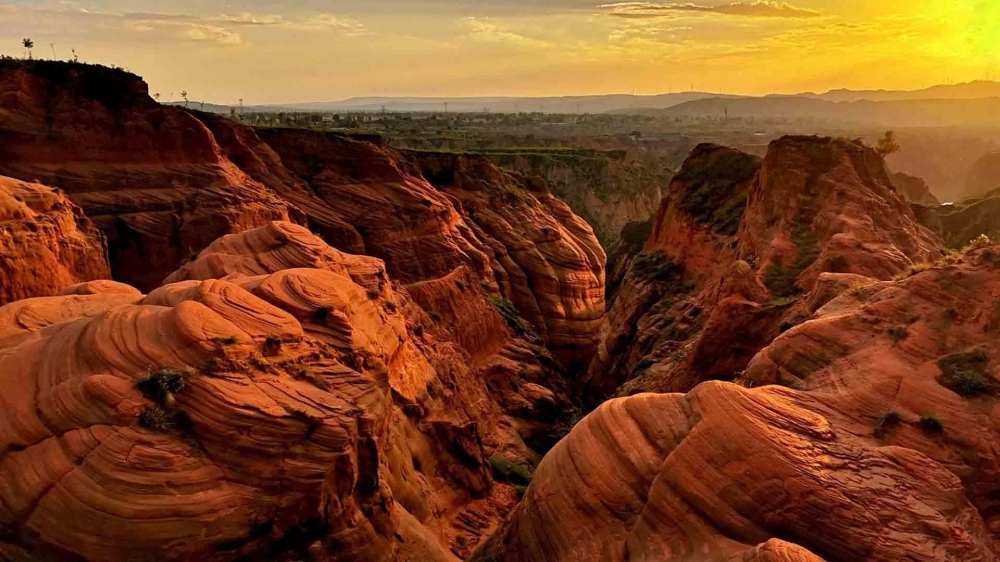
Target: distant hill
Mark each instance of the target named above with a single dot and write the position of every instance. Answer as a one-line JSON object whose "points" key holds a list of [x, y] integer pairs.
{"points": [[965, 91], [903, 113], [808, 103]]}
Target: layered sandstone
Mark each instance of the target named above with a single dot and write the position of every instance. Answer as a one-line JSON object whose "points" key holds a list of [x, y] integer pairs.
{"points": [[45, 242], [735, 252], [883, 451], [150, 176], [275, 399]]}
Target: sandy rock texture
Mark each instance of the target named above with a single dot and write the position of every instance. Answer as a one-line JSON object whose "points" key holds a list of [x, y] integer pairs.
{"points": [[45, 242], [877, 443], [736, 256]]}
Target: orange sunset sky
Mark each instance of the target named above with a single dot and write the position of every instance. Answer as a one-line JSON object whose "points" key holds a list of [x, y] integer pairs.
{"points": [[316, 50]]}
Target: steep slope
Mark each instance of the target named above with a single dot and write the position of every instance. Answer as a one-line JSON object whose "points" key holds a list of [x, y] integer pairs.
{"points": [[276, 398], [914, 189], [984, 176], [150, 176], [525, 246], [734, 253], [45, 242], [886, 451], [608, 188], [966, 221]]}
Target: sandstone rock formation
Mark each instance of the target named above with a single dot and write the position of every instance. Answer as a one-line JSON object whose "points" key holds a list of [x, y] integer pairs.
{"points": [[45, 242], [966, 221], [150, 176], [275, 399], [734, 253], [886, 450], [914, 189], [608, 188]]}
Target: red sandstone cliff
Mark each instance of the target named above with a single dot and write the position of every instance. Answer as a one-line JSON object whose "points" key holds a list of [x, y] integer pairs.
{"points": [[885, 449], [45, 242], [734, 253]]}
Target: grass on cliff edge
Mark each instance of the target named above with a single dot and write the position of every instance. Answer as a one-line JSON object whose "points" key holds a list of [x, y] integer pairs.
{"points": [[713, 194]]}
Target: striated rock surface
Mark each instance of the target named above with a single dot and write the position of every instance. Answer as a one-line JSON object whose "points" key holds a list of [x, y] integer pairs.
{"points": [[735, 254], [884, 452], [525, 245], [150, 176], [45, 242], [276, 399]]}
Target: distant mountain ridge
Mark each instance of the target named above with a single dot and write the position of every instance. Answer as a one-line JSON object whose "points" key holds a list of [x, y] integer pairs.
{"points": [[623, 103]]}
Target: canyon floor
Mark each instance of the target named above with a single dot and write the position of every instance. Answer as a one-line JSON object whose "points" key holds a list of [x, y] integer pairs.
{"points": [[227, 342]]}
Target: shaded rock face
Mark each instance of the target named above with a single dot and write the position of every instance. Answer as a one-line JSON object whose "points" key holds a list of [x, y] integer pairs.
{"points": [[709, 291], [894, 414], [914, 189], [276, 399], [151, 177], [964, 222], [45, 242], [608, 188], [984, 176], [522, 243]]}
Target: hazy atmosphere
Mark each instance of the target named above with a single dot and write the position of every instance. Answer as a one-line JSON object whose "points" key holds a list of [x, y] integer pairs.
{"points": [[221, 51], [500, 281]]}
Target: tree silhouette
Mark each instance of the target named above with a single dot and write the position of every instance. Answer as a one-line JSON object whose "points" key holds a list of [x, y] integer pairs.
{"points": [[156, 96], [887, 145], [184, 95], [28, 44]]}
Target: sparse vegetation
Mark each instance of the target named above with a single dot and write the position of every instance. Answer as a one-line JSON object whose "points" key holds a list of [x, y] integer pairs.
{"points": [[162, 385], [716, 188], [272, 346], [657, 267], [781, 279], [931, 424], [226, 340], [951, 313], [642, 366], [887, 145], [887, 422], [507, 471], [374, 293], [966, 374], [978, 243], [260, 363], [510, 314], [156, 418], [898, 334]]}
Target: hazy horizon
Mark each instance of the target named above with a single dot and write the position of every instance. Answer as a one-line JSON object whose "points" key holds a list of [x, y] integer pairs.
{"points": [[319, 50]]}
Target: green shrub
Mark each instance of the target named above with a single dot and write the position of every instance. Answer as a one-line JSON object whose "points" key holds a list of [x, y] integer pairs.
{"points": [[161, 386], [272, 346], [509, 313], [656, 267], [507, 471], [260, 363], [966, 373], [642, 366], [156, 418], [226, 340], [889, 421], [716, 186], [931, 424], [898, 334]]}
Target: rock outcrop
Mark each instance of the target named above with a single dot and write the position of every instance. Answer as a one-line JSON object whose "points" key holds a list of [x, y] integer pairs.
{"points": [[150, 176], [914, 189], [608, 188], [885, 449], [984, 176], [735, 252], [966, 221], [45, 242], [276, 399]]}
